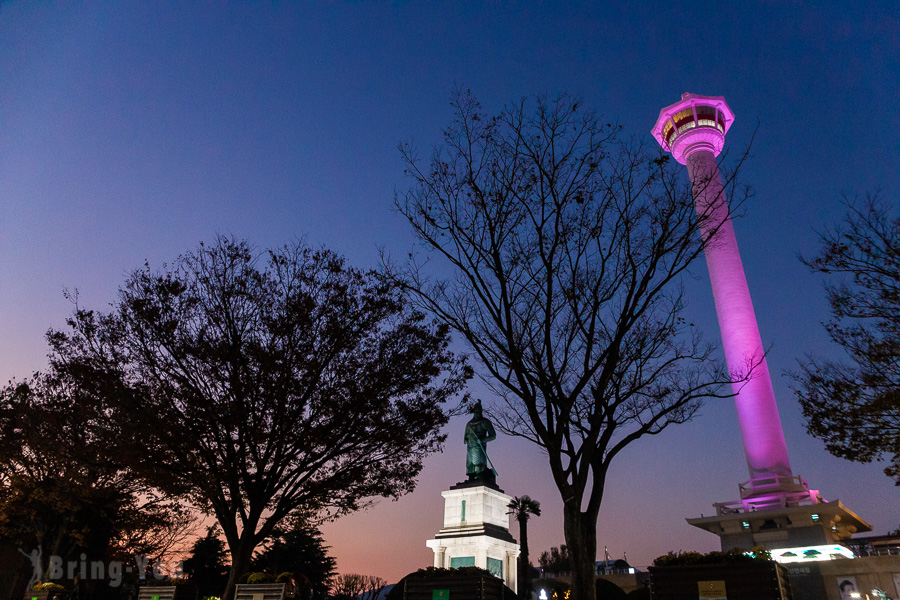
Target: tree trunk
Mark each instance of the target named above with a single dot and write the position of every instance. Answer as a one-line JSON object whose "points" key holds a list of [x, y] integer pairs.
{"points": [[240, 562], [54, 549], [581, 538], [524, 570]]}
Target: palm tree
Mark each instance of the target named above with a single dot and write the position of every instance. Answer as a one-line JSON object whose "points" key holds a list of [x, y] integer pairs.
{"points": [[523, 507]]}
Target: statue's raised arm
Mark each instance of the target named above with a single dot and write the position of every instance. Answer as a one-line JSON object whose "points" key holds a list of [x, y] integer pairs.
{"points": [[479, 431]]}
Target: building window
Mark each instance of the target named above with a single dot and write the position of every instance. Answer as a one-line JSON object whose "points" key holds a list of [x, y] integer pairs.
{"points": [[686, 126], [683, 116], [668, 130], [463, 512]]}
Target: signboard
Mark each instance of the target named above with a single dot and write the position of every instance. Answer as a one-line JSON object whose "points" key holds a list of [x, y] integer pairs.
{"points": [[712, 590], [440, 595], [806, 581], [259, 597]]}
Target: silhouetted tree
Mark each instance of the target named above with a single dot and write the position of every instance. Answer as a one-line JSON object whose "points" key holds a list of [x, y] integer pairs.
{"points": [[373, 588], [556, 560], [64, 489], [522, 508], [607, 590], [855, 408], [206, 566], [642, 593], [299, 549], [566, 247], [263, 384], [352, 586]]}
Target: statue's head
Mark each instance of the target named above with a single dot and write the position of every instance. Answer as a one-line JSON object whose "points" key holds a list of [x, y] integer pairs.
{"points": [[476, 409]]}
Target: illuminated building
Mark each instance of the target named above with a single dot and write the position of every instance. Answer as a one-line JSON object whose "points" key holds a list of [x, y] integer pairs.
{"points": [[776, 508], [476, 531]]}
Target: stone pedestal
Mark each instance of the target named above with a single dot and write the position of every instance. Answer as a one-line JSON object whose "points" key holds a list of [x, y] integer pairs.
{"points": [[476, 531]]}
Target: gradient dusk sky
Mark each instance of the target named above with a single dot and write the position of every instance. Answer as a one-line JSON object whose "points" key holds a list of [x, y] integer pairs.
{"points": [[131, 131]]}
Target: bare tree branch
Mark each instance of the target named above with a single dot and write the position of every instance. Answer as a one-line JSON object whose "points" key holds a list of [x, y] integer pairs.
{"points": [[565, 247]]}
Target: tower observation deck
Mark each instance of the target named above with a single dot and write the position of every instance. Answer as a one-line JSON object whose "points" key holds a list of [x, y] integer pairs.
{"points": [[693, 130]]}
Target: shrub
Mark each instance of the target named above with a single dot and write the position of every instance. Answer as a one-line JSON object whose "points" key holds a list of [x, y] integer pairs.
{"points": [[49, 585], [735, 555], [607, 590], [396, 592], [639, 594], [165, 581], [260, 578], [432, 572]]}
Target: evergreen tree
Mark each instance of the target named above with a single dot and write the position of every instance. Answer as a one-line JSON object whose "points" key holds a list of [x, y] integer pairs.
{"points": [[300, 550], [207, 566]]}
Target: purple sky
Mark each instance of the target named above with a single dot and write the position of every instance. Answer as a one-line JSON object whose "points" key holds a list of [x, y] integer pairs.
{"points": [[132, 131]]}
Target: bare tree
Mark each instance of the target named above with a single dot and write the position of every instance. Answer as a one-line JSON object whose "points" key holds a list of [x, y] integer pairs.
{"points": [[566, 246], [372, 588], [346, 585], [351, 585]]}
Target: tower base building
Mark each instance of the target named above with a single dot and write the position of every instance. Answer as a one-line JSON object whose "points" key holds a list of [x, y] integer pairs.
{"points": [[787, 518], [476, 531], [800, 533]]}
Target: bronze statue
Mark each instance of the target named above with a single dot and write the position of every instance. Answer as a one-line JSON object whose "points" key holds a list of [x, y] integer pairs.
{"points": [[479, 431]]}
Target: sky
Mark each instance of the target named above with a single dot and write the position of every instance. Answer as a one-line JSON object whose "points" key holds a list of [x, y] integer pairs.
{"points": [[130, 132]]}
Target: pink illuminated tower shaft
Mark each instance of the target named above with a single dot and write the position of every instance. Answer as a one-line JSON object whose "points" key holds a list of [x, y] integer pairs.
{"points": [[755, 399], [693, 130]]}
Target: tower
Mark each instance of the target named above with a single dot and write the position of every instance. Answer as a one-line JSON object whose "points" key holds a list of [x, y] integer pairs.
{"points": [[776, 508]]}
